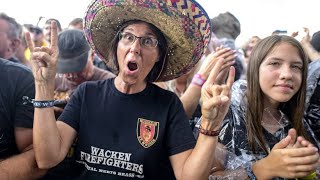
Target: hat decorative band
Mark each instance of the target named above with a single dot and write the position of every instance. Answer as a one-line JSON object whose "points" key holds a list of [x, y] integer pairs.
{"points": [[184, 23]]}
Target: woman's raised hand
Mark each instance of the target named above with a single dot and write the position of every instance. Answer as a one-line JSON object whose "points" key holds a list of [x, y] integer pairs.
{"points": [[228, 55], [44, 59], [216, 98]]}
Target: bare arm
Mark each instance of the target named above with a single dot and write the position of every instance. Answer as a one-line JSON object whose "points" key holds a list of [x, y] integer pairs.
{"points": [[197, 163], [21, 166], [190, 99], [23, 138], [311, 52], [51, 139], [307, 46]]}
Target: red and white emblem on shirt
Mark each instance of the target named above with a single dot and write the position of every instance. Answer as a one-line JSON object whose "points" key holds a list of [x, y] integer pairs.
{"points": [[147, 132]]}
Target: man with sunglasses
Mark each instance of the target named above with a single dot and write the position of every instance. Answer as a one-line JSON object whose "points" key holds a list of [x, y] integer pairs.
{"points": [[37, 37]]}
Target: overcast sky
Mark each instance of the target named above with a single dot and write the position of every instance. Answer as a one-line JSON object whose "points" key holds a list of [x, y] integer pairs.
{"points": [[257, 17]]}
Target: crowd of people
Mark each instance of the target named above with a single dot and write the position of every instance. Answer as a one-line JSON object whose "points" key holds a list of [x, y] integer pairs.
{"points": [[156, 90]]}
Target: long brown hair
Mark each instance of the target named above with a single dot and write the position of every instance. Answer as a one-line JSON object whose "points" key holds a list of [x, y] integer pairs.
{"points": [[294, 108]]}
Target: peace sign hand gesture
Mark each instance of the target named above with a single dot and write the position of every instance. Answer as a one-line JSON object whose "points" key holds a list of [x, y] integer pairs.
{"points": [[216, 98], [44, 59]]}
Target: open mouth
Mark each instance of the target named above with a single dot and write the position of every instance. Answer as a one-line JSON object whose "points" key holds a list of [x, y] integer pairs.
{"points": [[132, 66]]}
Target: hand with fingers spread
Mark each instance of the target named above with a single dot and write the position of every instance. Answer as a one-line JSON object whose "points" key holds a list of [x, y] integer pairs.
{"points": [[227, 55], [216, 98], [307, 46], [191, 96], [306, 39], [289, 159], [44, 59]]}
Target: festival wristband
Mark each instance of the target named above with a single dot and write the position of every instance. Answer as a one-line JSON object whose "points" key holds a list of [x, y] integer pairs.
{"points": [[38, 104], [208, 132], [198, 80]]}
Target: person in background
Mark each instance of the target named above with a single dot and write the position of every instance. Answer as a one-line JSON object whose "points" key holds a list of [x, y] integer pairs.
{"points": [[311, 45], [127, 126], [37, 37], [75, 65], [76, 23], [279, 32], [315, 41], [312, 48], [253, 41], [226, 29], [47, 31], [17, 160], [10, 32], [188, 86], [312, 114], [20, 54]]}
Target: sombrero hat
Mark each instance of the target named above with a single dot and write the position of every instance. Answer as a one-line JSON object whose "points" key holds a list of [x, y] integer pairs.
{"points": [[184, 23]]}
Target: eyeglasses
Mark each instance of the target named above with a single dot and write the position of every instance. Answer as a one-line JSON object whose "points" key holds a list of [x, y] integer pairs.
{"points": [[128, 39]]}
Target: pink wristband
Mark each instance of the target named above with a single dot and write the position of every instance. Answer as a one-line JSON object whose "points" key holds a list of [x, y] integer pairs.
{"points": [[198, 80]]}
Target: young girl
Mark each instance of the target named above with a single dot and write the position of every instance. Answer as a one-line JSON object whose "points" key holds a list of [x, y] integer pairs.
{"points": [[265, 118]]}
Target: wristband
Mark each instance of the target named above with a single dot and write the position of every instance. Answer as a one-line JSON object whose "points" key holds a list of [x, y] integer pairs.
{"points": [[208, 132], [250, 173], [198, 80], [38, 104]]}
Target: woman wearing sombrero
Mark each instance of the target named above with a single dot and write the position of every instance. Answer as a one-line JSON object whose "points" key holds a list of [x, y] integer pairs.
{"points": [[127, 127]]}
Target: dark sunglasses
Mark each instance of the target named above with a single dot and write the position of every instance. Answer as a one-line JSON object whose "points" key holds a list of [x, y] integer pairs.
{"points": [[36, 31]]}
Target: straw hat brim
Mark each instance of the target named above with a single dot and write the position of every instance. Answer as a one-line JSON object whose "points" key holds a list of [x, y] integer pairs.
{"points": [[186, 37]]}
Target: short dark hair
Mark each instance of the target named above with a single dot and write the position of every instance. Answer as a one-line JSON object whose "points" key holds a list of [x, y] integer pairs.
{"points": [[162, 45], [76, 21], [315, 41], [226, 25], [48, 21], [15, 30]]}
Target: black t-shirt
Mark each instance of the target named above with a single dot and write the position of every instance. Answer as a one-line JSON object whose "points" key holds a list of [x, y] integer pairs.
{"points": [[64, 88], [15, 60], [126, 136], [16, 81]]}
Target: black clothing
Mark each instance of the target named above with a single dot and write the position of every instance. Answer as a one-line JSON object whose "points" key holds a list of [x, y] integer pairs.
{"points": [[312, 114], [16, 81], [126, 136]]}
